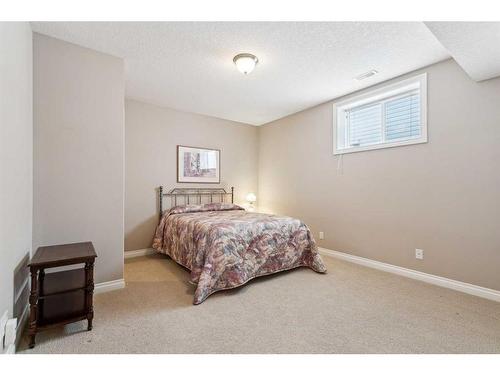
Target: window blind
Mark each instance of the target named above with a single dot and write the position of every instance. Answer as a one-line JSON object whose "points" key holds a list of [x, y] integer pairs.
{"points": [[388, 120], [402, 117], [365, 125]]}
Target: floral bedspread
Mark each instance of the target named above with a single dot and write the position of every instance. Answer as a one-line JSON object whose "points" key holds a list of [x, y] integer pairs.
{"points": [[225, 246]]}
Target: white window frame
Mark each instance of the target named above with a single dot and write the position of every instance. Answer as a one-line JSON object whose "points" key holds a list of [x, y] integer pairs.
{"points": [[385, 93]]}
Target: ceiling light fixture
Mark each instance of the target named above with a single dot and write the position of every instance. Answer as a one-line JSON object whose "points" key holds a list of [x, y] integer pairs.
{"points": [[245, 62], [366, 75]]}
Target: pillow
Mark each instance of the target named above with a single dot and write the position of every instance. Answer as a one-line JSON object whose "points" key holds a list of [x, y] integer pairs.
{"points": [[186, 208]]}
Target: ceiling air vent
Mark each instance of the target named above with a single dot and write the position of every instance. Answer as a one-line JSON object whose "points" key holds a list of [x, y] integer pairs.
{"points": [[366, 75]]}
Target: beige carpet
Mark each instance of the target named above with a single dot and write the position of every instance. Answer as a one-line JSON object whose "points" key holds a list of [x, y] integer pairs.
{"points": [[352, 309]]}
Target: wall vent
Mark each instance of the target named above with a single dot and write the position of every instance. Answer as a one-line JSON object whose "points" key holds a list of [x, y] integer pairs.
{"points": [[366, 75]]}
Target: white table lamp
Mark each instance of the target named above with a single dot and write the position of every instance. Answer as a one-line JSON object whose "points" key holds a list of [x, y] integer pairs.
{"points": [[251, 198]]}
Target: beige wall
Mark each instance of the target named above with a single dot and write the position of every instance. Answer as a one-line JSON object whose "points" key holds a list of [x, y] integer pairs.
{"points": [[16, 160], [151, 136], [443, 196], [79, 150]]}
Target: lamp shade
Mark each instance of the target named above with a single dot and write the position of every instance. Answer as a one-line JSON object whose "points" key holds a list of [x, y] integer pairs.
{"points": [[251, 197]]}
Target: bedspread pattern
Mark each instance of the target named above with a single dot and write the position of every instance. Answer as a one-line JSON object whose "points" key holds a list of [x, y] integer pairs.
{"points": [[225, 246]]}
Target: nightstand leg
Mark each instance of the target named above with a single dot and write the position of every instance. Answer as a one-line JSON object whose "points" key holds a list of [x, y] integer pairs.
{"points": [[89, 276], [33, 307], [41, 278]]}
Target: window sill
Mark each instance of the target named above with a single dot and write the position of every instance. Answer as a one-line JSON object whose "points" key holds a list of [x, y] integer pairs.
{"points": [[379, 146]]}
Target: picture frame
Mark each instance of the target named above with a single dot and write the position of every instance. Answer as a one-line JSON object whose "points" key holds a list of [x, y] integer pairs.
{"points": [[198, 165]]}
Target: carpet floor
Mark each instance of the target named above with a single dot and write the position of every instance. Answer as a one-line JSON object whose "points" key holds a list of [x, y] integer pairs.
{"points": [[351, 309]]}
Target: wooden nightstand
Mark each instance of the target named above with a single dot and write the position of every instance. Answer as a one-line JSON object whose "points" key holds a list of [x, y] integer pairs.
{"points": [[61, 297]]}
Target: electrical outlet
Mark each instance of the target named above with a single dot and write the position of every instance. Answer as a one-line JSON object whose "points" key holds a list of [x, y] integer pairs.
{"points": [[10, 349], [3, 323], [419, 254], [321, 235], [10, 332]]}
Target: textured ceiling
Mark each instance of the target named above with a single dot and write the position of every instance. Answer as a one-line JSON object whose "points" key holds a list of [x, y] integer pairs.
{"points": [[188, 66], [474, 45]]}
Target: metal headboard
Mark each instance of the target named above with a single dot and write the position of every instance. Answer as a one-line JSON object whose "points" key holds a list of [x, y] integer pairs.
{"points": [[194, 195]]}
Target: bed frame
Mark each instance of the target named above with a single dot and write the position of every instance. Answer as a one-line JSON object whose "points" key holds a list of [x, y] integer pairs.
{"points": [[194, 195]]}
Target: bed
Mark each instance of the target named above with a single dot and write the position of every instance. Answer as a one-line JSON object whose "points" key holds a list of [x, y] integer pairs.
{"points": [[225, 246]]}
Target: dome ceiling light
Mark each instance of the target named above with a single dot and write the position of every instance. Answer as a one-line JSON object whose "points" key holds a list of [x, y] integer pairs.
{"points": [[245, 62]]}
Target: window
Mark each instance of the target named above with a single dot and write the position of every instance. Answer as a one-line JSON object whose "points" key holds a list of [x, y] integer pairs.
{"points": [[394, 115]]}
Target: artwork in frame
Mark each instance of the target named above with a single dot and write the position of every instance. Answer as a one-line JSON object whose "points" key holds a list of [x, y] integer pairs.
{"points": [[198, 165]]}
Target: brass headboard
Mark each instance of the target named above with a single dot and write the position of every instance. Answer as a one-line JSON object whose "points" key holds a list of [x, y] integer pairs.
{"points": [[194, 196]]}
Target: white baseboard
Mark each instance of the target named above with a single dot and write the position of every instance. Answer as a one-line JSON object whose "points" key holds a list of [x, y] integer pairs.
{"points": [[460, 286], [108, 286], [139, 253]]}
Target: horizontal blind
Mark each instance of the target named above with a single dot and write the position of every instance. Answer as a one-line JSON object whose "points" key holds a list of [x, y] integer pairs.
{"points": [[365, 125], [402, 117]]}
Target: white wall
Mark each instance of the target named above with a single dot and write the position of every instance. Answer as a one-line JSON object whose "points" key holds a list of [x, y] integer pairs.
{"points": [[152, 134], [79, 150], [442, 196], [16, 158]]}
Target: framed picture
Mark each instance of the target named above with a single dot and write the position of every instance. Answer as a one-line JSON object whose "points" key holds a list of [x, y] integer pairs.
{"points": [[198, 165]]}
